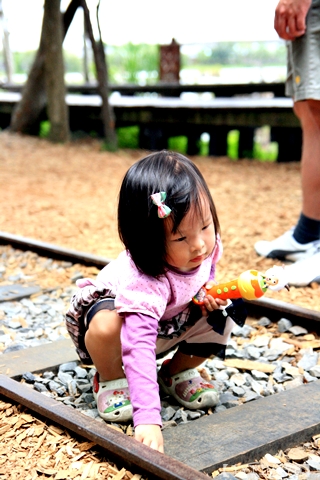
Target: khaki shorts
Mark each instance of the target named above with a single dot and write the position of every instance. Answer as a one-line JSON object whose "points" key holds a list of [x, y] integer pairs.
{"points": [[303, 60]]}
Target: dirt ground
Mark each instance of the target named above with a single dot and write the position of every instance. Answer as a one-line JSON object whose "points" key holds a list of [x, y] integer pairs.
{"points": [[67, 195]]}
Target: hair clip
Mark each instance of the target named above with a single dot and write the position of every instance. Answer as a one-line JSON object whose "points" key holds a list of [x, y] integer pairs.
{"points": [[158, 199]]}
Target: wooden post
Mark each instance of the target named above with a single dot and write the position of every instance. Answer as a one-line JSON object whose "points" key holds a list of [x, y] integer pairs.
{"points": [[170, 62]]}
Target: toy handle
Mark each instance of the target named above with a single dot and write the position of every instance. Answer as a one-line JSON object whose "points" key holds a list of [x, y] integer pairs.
{"points": [[250, 285], [225, 291]]}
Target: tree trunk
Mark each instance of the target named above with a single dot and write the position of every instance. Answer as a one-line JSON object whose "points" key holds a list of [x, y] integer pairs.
{"points": [[85, 54], [8, 64], [57, 109], [102, 77], [26, 114]]}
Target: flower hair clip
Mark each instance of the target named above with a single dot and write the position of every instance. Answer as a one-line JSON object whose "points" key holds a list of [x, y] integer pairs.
{"points": [[158, 199]]}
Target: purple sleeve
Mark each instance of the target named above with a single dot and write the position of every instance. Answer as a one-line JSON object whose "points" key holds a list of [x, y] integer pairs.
{"points": [[138, 339]]}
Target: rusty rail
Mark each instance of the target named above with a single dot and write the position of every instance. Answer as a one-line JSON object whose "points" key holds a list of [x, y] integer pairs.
{"points": [[275, 309]]}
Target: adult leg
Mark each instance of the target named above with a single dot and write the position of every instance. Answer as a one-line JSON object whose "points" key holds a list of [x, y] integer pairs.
{"points": [[307, 271], [303, 241], [302, 84], [308, 113], [103, 344]]}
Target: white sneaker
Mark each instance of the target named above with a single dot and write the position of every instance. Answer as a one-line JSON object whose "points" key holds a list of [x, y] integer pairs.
{"points": [[286, 248], [304, 272]]}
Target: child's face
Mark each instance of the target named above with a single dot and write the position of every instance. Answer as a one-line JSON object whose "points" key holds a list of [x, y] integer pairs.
{"points": [[194, 240]]}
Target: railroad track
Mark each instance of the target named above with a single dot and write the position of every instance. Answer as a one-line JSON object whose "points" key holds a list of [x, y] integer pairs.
{"points": [[240, 434]]}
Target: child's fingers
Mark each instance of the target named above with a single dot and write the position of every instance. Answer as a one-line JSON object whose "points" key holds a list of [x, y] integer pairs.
{"points": [[210, 304], [221, 302]]}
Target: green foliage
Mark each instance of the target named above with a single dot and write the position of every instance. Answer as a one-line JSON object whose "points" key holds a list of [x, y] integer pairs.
{"points": [[108, 147], [204, 145], [72, 63], [22, 61], [139, 63], [44, 129], [178, 144], [132, 63], [266, 153], [233, 142], [128, 137], [241, 54]]}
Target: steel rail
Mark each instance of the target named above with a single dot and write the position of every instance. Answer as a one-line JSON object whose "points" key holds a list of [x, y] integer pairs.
{"points": [[272, 308]]}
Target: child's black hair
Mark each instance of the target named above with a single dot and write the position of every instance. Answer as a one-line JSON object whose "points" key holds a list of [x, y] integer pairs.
{"points": [[140, 229]]}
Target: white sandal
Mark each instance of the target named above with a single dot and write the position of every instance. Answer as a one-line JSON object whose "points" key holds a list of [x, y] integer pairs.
{"points": [[188, 388], [113, 399]]}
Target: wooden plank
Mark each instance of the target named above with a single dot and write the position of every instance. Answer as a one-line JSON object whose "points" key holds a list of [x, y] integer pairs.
{"points": [[16, 291], [246, 433], [168, 102], [129, 110], [169, 89], [249, 365], [39, 358]]}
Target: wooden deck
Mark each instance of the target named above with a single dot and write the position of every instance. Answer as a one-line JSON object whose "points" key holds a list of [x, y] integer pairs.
{"points": [[160, 118], [170, 89]]}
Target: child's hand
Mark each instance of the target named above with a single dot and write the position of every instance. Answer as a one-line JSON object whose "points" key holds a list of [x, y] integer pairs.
{"points": [[210, 303], [150, 435]]}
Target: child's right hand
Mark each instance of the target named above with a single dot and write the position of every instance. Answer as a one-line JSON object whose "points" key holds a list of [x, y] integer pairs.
{"points": [[210, 303], [150, 435]]}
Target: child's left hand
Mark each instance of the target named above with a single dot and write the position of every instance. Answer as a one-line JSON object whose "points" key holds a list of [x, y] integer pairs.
{"points": [[210, 303]]}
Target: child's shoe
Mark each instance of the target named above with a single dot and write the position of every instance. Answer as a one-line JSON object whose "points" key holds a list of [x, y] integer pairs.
{"points": [[286, 248], [113, 399], [188, 388]]}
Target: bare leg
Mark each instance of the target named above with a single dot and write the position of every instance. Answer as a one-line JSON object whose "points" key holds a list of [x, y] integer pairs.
{"points": [[103, 344], [308, 113], [181, 361]]}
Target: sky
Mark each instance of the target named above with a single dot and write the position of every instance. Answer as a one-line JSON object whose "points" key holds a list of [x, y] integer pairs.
{"points": [[147, 21]]}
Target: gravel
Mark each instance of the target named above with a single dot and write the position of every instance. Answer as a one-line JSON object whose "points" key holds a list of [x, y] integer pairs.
{"points": [[39, 319]]}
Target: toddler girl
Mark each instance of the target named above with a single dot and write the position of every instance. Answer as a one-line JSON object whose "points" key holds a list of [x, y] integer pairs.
{"points": [[140, 305]]}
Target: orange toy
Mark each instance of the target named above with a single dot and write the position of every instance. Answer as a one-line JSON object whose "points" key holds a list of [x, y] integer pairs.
{"points": [[250, 285]]}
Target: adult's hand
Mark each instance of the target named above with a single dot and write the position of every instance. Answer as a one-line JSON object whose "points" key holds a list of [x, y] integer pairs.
{"points": [[290, 18]]}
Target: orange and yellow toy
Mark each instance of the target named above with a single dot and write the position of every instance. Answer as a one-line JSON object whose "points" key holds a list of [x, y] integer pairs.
{"points": [[250, 285]]}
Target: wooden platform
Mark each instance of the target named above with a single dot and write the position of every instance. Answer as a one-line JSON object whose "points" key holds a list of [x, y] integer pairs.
{"points": [[171, 89], [241, 434], [160, 118]]}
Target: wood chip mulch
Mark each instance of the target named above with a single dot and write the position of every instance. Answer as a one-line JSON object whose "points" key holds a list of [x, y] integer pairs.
{"points": [[32, 448], [67, 195]]}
